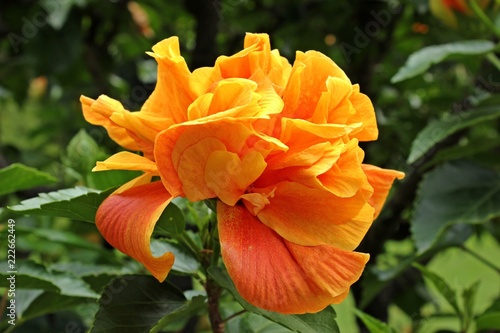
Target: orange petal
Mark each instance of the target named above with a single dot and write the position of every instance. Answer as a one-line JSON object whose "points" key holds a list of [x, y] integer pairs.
{"points": [[365, 114], [171, 148], [277, 275], [192, 166], [171, 96], [381, 180], [126, 161], [310, 216], [307, 82], [98, 112], [126, 220], [346, 177], [229, 176]]}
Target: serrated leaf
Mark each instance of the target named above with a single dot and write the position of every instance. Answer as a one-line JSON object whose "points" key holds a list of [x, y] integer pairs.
{"points": [[17, 177], [442, 286], [321, 322], [458, 192], [35, 276], [79, 203], [373, 324], [135, 303], [438, 130], [420, 61]]}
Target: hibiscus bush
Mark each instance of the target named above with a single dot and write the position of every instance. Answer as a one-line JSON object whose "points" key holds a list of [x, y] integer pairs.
{"points": [[250, 166]]}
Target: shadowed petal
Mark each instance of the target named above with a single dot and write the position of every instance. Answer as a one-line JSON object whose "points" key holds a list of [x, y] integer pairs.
{"points": [[278, 275], [310, 216], [126, 220]]}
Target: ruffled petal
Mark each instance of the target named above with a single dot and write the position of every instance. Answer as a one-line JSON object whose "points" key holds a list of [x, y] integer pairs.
{"points": [[381, 180], [277, 275], [229, 176], [98, 112], [126, 220], [172, 95], [310, 216]]}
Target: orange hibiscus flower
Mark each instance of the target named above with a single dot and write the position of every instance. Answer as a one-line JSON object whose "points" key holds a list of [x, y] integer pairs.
{"points": [[276, 144]]}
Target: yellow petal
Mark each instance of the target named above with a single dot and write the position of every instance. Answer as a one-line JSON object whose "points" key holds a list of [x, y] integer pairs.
{"points": [[126, 161]]}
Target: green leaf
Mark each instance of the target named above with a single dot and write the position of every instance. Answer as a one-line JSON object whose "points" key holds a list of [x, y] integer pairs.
{"points": [[171, 222], [321, 322], [59, 236], [79, 203], [423, 59], [50, 302], [252, 323], [443, 288], [490, 319], [184, 262], [135, 303], [191, 308], [468, 296], [17, 177], [373, 324], [103, 180], [438, 130], [35, 276], [458, 192]]}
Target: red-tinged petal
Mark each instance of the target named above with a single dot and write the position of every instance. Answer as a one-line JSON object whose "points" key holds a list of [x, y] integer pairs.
{"points": [[98, 112], [311, 216], [126, 220], [381, 180], [126, 161], [277, 275]]}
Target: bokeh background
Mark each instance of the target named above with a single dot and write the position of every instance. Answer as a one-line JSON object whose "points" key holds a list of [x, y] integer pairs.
{"points": [[53, 51]]}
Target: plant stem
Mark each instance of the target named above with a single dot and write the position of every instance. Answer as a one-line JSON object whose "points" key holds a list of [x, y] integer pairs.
{"points": [[213, 294], [234, 315], [480, 258], [493, 59], [210, 258], [483, 17]]}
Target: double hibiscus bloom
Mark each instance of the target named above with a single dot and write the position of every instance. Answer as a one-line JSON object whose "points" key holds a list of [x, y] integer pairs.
{"points": [[276, 144]]}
